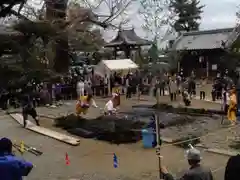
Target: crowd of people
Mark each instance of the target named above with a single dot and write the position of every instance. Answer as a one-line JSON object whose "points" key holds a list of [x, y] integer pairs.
{"points": [[83, 88]]}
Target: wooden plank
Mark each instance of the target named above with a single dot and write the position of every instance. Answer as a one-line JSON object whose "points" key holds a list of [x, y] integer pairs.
{"points": [[47, 132]]}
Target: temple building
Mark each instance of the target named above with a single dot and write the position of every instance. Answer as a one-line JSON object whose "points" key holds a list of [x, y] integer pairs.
{"points": [[205, 52], [127, 41]]}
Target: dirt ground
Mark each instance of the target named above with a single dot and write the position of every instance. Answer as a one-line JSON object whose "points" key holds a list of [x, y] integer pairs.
{"points": [[94, 159]]}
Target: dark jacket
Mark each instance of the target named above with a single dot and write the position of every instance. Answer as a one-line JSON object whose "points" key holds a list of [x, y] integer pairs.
{"points": [[233, 168], [27, 101], [196, 173]]}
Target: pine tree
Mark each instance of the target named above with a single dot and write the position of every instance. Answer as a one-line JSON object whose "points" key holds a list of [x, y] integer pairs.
{"points": [[188, 14], [153, 52]]}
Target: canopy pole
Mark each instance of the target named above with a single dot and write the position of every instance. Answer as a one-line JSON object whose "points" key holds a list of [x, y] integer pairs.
{"points": [[109, 84]]}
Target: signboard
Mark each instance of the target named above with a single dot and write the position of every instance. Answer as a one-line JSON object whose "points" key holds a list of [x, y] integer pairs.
{"points": [[214, 66]]}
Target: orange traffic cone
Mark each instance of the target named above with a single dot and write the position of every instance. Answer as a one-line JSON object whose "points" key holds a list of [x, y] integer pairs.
{"points": [[67, 159]]}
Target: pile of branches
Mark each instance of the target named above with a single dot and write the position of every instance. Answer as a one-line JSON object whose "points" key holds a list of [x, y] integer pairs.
{"points": [[107, 128]]}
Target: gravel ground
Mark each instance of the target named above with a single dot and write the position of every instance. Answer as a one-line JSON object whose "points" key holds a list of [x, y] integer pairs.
{"points": [[223, 139], [199, 127]]}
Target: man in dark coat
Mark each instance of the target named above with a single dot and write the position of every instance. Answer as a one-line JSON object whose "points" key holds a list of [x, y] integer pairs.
{"points": [[28, 107], [195, 172]]}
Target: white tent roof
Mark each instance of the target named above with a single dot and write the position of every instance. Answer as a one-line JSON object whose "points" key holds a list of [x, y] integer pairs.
{"points": [[106, 66], [120, 64]]}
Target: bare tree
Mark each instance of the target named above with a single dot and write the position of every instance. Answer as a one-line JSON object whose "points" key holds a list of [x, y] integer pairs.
{"points": [[83, 36], [156, 18]]}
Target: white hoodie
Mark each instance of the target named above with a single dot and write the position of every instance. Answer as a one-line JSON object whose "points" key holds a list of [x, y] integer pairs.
{"points": [[109, 106], [80, 85]]}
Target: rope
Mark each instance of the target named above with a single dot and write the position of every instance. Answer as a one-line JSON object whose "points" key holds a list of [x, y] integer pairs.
{"points": [[208, 134]]}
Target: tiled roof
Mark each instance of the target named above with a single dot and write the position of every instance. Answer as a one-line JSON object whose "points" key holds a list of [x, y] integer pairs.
{"points": [[210, 39], [128, 37]]}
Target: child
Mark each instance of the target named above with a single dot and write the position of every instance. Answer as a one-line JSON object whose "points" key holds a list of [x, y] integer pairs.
{"points": [[186, 98], [110, 107]]}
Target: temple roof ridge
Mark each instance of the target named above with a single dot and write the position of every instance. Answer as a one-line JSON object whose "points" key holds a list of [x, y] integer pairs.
{"points": [[128, 36]]}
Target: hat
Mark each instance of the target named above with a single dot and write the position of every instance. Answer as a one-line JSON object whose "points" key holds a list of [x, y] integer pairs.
{"points": [[5, 145], [193, 154]]}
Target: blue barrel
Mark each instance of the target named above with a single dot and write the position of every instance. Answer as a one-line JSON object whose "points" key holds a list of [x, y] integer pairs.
{"points": [[148, 138]]}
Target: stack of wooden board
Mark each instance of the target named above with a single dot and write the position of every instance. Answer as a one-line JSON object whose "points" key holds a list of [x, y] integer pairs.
{"points": [[47, 132]]}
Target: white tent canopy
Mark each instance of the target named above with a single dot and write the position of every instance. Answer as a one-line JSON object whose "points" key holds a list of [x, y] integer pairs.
{"points": [[109, 66]]}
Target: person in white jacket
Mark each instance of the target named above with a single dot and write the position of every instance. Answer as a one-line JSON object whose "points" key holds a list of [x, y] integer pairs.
{"points": [[80, 88], [110, 106], [173, 89]]}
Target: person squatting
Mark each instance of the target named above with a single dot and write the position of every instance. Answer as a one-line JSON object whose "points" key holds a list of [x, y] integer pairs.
{"points": [[111, 105]]}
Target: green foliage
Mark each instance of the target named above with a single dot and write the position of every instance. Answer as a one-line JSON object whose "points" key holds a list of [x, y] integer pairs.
{"points": [[41, 29], [188, 14], [153, 52]]}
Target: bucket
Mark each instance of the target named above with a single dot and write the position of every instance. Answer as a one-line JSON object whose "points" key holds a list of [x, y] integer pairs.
{"points": [[148, 138]]}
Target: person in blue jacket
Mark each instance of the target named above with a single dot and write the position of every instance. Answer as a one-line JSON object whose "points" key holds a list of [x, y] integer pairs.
{"points": [[11, 167]]}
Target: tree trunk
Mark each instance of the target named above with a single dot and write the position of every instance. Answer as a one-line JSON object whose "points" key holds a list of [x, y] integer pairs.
{"points": [[56, 10]]}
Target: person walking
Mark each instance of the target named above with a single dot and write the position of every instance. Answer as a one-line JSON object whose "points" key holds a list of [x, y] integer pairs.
{"points": [[232, 107], [28, 108], [202, 88], [173, 89], [80, 88]]}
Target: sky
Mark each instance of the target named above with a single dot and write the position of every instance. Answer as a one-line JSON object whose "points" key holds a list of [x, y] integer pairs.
{"points": [[216, 14]]}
